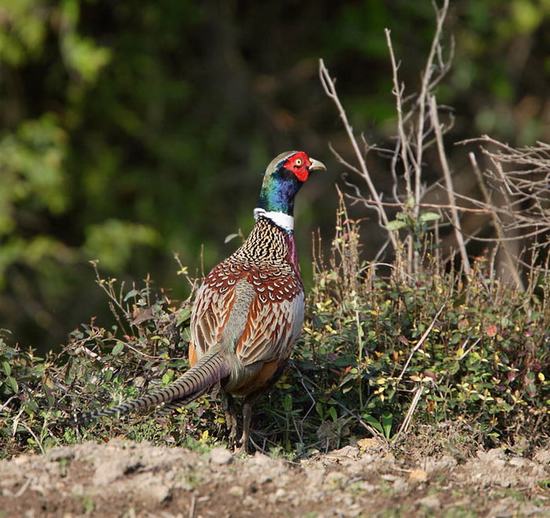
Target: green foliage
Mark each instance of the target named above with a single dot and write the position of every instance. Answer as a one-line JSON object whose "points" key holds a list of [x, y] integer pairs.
{"points": [[23, 36], [115, 131], [475, 349], [115, 121], [441, 347], [114, 242]]}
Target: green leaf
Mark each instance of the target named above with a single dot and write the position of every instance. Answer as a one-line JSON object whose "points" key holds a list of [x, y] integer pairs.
{"points": [[454, 368], [117, 349], [6, 367], [167, 377], [395, 224], [373, 422], [183, 315], [287, 403], [387, 421], [130, 294], [12, 383], [429, 216], [113, 241]]}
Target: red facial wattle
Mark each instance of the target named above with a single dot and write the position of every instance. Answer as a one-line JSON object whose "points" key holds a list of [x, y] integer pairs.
{"points": [[299, 165], [302, 174]]}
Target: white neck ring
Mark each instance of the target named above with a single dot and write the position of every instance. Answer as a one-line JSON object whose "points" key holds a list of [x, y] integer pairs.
{"points": [[279, 218]]}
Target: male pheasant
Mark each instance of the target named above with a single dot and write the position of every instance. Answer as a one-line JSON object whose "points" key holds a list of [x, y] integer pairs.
{"points": [[249, 310]]}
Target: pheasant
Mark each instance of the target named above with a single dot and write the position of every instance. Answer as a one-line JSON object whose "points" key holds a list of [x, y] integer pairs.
{"points": [[249, 310]]}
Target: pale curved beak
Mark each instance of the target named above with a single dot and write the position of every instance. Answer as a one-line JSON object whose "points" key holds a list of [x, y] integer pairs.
{"points": [[316, 165]]}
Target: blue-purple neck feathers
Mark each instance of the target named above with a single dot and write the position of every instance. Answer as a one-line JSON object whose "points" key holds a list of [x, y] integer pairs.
{"points": [[278, 191]]}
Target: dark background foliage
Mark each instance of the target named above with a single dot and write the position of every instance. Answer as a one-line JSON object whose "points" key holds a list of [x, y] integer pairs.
{"points": [[133, 130]]}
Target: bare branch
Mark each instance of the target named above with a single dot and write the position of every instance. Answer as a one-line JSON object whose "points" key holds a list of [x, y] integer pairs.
{"points": [[496, 222], [449, 183], [422, 101], [330, 90], [403, 141], [420, 343]]}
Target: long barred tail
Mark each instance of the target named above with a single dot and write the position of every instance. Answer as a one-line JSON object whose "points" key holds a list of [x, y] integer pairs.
{"points": [[208, 371]]}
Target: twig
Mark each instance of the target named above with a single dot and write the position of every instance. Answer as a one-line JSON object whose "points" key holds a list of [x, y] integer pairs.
{"points": [[38, 441], [330, 90], [403, 142], [137, 351], [449, 183], [496, 221], [439, 206], [23, 488], [410, 412], [6, 404], [441, 14], [467, 351], [420, 343], [193, 506]]}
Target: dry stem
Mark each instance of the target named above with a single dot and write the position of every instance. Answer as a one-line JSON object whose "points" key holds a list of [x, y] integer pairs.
{"points": [[330, 89]]}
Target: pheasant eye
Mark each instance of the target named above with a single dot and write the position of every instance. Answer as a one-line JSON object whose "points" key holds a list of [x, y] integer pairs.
{"points": [[298, 162]]}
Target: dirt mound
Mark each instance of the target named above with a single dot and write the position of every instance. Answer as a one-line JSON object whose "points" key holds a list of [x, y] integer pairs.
{"points": [[123, 478]]}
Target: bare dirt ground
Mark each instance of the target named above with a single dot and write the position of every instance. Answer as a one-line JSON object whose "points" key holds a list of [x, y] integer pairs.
{"points": [[129, 479]]}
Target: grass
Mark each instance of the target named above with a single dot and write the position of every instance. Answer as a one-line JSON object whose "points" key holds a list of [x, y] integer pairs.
{"points": [[449, 351]]}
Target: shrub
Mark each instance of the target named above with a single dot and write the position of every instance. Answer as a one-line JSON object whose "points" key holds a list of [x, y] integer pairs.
{"points": [[377, 352]]}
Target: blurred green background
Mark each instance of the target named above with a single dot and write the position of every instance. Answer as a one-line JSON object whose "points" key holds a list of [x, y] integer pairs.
{"points": [[131, 130]]}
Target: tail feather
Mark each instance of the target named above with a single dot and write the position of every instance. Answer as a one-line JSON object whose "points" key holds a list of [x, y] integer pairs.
{"points": [[169, 408], [208, 371]]}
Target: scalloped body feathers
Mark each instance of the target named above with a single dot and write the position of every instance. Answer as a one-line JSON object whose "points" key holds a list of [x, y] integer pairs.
{"points": [[249, 310]]}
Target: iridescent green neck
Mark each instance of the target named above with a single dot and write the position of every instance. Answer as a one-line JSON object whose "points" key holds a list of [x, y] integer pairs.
{"points": [[278, 192]]}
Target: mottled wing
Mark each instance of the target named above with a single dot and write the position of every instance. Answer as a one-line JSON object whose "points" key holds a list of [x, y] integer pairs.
{"points": [[259, 311], [271, 329], [209, 316]]}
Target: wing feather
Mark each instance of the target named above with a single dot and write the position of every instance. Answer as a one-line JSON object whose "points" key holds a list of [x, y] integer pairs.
{"points": [[271, 330], [270, 326], [209, 316]]}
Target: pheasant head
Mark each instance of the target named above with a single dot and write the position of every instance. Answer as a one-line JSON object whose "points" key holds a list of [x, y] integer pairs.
{"points": [[283, 178]]}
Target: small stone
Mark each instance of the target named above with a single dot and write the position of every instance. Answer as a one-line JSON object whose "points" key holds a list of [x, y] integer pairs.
{"points": [[370, 443], [431, 502], [280, 494], [249, 501], [542, 456], [389, 459], [418, 475], [368, 487], [492, 454], [77, 490], [315, 476], [446, 462], [334, 480], [519, 462], [221, 456], [350, 452], [139, 381], [108, 472], [237, 491], [400, 485], [156, 492], [260, 459]]}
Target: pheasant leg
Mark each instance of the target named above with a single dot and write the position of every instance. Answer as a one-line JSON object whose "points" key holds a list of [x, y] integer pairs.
{"points": [[230, 418], [247, 417]]}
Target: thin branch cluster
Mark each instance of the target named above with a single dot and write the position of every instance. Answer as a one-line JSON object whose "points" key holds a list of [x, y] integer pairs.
{"points": [[515, 187]]}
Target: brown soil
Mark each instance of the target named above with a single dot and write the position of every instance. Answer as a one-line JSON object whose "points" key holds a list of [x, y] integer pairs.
{"points": [[129, 479]]}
